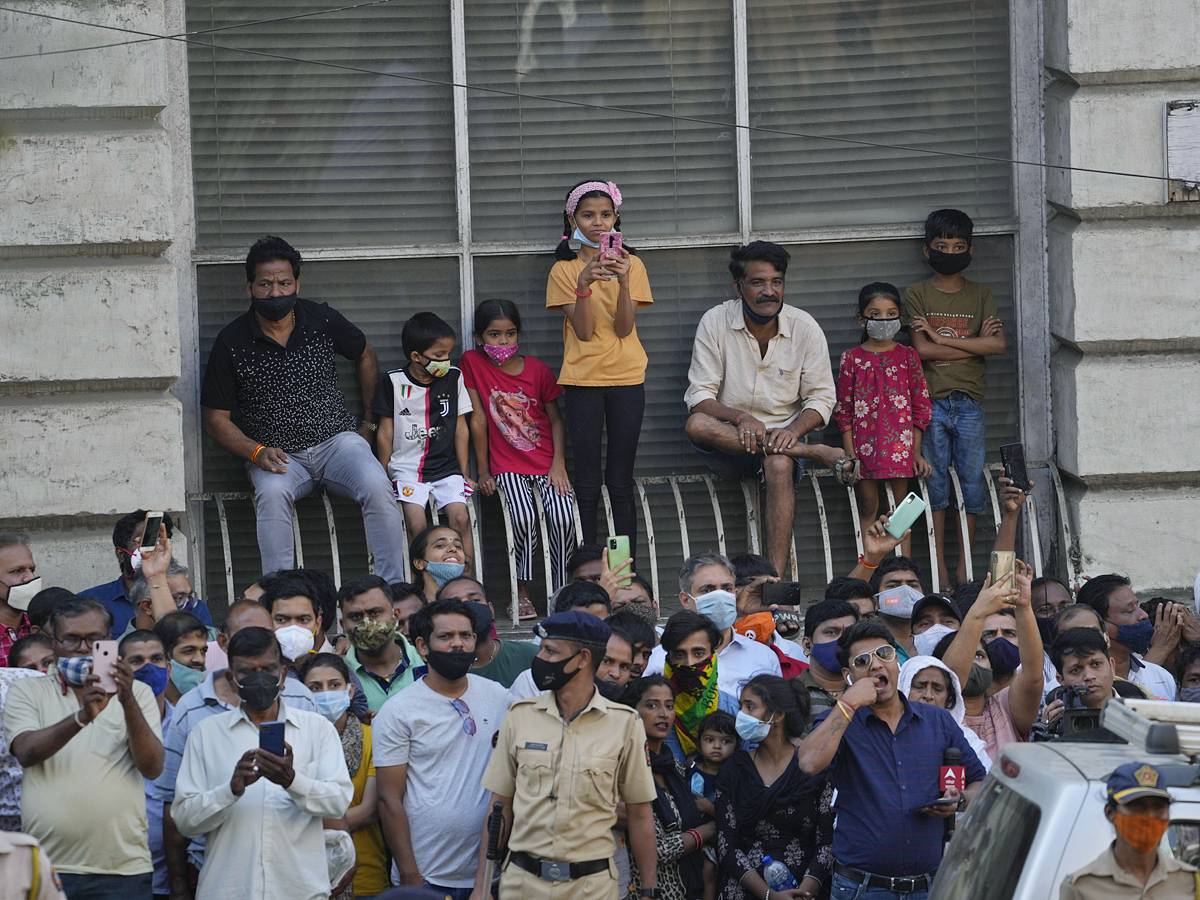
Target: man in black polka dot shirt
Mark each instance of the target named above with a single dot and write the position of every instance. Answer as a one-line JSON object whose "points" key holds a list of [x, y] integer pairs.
{"points": [[276, 364]]}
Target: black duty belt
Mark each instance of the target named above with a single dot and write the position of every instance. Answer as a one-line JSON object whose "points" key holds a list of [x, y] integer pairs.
{"points": [[900, 884], [556, 871]]}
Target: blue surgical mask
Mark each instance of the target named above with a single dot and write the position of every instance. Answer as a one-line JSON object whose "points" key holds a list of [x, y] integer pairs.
{"points": [[1005, 656], [185, 677], [443, 572], [825, 655], [154, 677], [719, 607], [1137, 636], [1190, 694], [750, 729], [578, 236], [331, 704]]}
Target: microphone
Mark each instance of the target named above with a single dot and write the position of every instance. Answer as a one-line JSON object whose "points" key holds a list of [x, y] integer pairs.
{"points": [[953, 775]]}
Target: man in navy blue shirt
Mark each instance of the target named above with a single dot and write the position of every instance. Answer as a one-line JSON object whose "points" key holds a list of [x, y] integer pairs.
{"points": [[885, 755]]}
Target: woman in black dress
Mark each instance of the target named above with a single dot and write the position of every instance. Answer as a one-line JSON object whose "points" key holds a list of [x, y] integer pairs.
{"points": [[766, 806]]}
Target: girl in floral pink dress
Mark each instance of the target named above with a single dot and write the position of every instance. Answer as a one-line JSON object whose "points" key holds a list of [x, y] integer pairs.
{"points": [[883, 403]]}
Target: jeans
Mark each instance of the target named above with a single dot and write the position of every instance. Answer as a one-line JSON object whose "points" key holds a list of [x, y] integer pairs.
{"points": [[460, 893], [843, 888], [107, 887], [346, 467], [587, 410], [956, 434]]}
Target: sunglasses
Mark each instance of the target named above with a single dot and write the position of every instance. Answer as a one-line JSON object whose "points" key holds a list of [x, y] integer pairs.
{"points": [[464, 712], [885, 653]]}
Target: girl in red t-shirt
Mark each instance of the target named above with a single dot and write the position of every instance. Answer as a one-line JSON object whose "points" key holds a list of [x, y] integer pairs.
{"points": [[519, 440]]}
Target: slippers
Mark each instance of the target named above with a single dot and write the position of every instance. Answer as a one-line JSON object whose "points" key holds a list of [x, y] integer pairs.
{"points": [[525, 610], [848, 478]]}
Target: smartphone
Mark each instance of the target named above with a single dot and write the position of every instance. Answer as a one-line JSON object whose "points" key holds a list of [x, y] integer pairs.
{"points": [[940, 801], [1012, 457], [270, 737], [1002, 563], [610, 246], [104, 660], [150, 531], [906, 513], [781, 593], [618, 552]]}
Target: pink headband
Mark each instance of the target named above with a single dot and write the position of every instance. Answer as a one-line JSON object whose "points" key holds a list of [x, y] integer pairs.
{"points": [[587, 187]]}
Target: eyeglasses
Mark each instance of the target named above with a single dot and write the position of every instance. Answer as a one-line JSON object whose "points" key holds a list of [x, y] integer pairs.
{"points": [[1048, 611], [885, 653], [182, 599], [464, 711], [75, 641]]}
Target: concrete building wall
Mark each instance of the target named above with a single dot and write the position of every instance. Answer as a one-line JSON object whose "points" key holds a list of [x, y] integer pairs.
{"points": [[1123, 267], [95, 250]]}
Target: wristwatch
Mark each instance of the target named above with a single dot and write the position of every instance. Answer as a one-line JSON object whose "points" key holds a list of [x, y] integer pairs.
{"points": [[653, 892]]}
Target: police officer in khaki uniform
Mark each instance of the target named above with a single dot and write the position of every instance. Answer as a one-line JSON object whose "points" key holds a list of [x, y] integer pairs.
{"points": [[25, 871], [563, 761], [1134, 866]]}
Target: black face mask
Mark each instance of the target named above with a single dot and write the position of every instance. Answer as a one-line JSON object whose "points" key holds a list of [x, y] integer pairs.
{"points": [[258, 690], [948, 263], [1046, 630], [274, 308], [451, 664], [978, 681], [551, 676], [756, 318]]}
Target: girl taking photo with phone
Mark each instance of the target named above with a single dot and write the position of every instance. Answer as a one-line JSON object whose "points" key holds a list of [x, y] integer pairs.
{"points": [[604, 366]]}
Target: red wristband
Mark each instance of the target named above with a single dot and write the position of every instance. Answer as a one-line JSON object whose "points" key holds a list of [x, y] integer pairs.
{"points": [[866, 565], [581, 296], [739, 418]]}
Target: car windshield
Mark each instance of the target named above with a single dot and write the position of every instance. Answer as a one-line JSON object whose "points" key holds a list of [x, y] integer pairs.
{"points": [[988, 852], [1184, 838]]}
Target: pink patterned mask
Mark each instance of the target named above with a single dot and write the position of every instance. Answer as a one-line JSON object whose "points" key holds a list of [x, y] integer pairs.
{"points": [[500, 355]]}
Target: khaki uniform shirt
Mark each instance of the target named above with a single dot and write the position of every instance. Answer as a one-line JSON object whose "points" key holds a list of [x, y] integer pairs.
{"points": [[1104, 879], [26, 871], [590, 763]]}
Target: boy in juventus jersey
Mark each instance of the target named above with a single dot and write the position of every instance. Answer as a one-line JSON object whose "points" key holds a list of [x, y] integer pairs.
{"points": [[423, 435]]}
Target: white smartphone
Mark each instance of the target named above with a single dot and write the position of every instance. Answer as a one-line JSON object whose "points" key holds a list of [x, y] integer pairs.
{"points": [[150, 531]]}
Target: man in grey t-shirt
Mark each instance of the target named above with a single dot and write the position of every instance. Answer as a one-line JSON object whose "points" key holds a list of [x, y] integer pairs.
{"points": [[432, 742]]}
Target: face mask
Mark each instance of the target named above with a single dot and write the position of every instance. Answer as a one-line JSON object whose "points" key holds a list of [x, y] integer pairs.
{"points": [[1046, 630], [692, 679], [578, 236], [882, 329], [1137, 636], [442, 572], [1006, 656], [750, 729], [258, 690], [643, 611], [295, 641], [756, 318], [1190, 694], [274, 308], [928, 639], [75, 669], [372, 636], [756, 626], [135, 559], [451, 664], [978, 681], [184, 677], [437, 367], [154, 677], [719, 607], [19, 595], [948, 263], [825, 655], [331, 704], [1141, 832], [551, 676], [500, 355]]}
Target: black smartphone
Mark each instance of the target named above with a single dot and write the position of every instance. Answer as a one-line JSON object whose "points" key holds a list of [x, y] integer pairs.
{"points": [[1012, 458], [782, 593], [270, 737], [941, 801]]}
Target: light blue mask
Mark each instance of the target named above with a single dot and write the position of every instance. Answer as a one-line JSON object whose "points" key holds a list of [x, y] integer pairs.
{"points": [[578, 236], [184, 677], [331, 704], [443, 572], [750, 729], [719, 607]]}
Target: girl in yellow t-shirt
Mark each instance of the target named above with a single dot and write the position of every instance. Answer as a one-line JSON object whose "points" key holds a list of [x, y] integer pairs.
{"points": [[604, 366]]}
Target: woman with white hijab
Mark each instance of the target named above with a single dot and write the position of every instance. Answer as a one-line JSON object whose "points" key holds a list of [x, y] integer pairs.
{"points": [[946, 691]]}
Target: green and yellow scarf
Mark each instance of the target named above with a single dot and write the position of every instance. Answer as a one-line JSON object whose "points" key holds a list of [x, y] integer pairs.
{"points": [[695, 698]]}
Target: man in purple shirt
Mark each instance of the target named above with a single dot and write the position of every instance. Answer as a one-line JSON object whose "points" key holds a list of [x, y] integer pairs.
{"points": [[885, 756]]}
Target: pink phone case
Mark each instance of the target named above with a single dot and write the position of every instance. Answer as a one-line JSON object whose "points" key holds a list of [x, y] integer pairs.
{"points": [[610, 245], [104, 659]]}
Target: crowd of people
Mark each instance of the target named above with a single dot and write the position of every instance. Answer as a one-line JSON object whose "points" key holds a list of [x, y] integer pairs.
{"points": [[381, 736]]}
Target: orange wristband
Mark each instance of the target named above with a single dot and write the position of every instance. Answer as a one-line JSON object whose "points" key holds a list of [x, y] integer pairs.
{"points": [[261, 447]]}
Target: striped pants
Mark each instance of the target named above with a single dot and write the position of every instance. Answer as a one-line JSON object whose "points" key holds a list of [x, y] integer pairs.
{"points": [[560, 523]]}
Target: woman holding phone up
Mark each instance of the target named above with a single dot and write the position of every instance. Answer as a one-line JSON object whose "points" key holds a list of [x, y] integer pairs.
{"points": [[604, 366]]}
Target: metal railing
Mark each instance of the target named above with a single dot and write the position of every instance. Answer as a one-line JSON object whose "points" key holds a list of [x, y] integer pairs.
{"points": [[751, 494]]}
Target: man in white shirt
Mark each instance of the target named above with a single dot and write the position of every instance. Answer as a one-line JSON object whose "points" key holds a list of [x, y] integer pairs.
{"points": [[706, 586], [759, 381], [432, 742], [262, 811]]}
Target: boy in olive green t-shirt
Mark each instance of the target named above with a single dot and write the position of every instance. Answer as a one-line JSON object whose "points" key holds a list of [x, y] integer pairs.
{"points": [[954, 325]]}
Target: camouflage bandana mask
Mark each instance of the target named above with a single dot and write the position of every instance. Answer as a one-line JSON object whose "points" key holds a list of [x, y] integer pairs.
{"points": [[371, 636]]}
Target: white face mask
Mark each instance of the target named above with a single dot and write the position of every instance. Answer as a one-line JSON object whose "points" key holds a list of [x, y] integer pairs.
{"points": [[719, 607], [135, 559], [294, 641], [19, 595], [928, 639]]}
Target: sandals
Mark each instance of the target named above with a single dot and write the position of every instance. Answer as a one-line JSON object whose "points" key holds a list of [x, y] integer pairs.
{"points": [[525, 609], [848, 478]]}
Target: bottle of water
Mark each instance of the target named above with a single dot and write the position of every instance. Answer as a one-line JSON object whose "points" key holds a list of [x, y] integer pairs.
{"points": [[777, 875]]}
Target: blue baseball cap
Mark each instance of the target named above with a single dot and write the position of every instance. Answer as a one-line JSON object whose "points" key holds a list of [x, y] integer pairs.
{"points": [[573, 625], [1134, 780]]}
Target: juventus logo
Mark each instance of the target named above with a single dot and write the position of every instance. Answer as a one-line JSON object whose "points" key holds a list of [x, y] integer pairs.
{"points": [[444, 406]]}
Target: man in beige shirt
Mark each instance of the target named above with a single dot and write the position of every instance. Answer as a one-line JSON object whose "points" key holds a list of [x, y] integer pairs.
{"points": [[759, 381]]}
